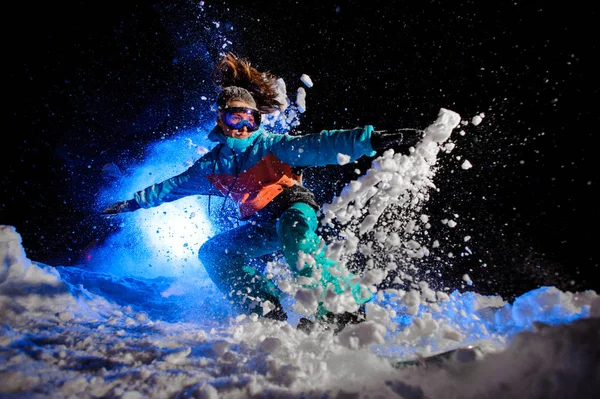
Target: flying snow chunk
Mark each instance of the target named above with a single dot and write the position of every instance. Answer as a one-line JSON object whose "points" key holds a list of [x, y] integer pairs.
{"points": [[440, 130], [477, 119], [306, 80], [362, 335], [301, 99], [281, 92], [467, 279], [448, 147], [343, 159], [466, 165]]}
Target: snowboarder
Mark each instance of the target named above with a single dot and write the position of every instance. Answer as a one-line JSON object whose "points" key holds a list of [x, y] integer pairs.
{"points": [[255, 169]]}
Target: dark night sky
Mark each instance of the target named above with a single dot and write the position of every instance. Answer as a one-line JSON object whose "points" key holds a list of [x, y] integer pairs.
{"points": [[94, 84]]}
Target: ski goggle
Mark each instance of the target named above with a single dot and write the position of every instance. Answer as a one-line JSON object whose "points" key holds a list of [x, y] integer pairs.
{"points": [[238, 117]]}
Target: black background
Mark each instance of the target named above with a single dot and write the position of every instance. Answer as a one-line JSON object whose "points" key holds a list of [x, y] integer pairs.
{"points": [[95, 82]]}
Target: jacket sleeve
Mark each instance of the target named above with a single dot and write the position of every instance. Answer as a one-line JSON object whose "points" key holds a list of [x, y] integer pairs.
{"points": [[322, 149], [191, 182]]}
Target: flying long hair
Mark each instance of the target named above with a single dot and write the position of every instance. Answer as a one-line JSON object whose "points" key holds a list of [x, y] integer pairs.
{"points": [[235, 71]]}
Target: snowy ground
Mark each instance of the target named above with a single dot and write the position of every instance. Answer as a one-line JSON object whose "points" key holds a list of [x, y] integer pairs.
{"points": [[61, 340]]}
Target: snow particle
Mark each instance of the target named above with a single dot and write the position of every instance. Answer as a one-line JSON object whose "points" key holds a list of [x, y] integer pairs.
{"points": [[65, 316], [220, 346], [477, 119], [467, 279], [343, 159], [306, 80]]}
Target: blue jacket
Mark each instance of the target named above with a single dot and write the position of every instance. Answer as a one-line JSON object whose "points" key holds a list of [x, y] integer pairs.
{"points": [[256, 170]]}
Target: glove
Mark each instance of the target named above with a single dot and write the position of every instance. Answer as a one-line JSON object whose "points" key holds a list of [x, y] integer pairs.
{"points": [[400, 140], [121, 207]]}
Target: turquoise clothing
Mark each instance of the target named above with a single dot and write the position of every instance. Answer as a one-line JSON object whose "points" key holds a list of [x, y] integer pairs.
{"points": [[231, 157], [256, 173], [227, 257]]}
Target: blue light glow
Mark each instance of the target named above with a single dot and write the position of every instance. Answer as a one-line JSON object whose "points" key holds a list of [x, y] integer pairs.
{"points": [[161, 241]]}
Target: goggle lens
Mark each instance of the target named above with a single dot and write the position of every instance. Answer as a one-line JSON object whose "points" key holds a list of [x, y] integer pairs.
{"points": [[238, 117]]}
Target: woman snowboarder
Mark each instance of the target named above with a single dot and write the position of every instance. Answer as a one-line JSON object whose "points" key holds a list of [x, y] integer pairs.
{"points": [[255, 169]]}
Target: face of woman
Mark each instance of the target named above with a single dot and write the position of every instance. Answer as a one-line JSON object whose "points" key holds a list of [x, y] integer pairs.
{"points": [[237, 118]]}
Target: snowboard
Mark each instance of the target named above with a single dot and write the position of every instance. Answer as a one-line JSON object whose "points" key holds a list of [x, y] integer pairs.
{"points": [[463, 354]]}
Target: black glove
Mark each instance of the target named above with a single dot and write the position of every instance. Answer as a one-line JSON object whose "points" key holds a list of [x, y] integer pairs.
{"points": [[122, 206], [400, 140]]}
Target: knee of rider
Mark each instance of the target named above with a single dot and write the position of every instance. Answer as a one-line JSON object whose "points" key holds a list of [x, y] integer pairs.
{"points": [[293, 223]]}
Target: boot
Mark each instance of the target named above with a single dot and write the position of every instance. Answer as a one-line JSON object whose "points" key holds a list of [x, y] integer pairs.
{"points": [[306, 325], [277, 313], [330, 320]]}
